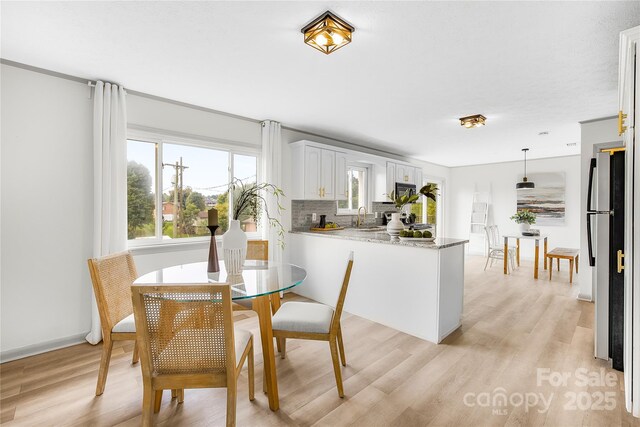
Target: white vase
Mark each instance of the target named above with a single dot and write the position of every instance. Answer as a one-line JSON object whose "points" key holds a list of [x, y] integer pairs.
{"points": [[234, 248], [395, 226], [524, 227]]}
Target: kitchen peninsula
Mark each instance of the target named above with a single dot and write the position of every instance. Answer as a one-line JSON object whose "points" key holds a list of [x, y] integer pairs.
{"points": [[414, 287]]}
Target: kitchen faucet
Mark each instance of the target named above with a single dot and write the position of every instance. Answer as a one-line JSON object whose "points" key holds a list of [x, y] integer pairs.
{"points": [[364, 217]]}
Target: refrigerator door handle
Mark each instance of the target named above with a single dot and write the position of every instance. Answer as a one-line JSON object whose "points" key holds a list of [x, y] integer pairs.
{"points": [[592, 259], [592, 167]]}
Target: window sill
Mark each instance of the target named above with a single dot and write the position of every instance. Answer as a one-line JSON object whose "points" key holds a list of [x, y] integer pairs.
{"points": [[163, 247], [192, 244]]}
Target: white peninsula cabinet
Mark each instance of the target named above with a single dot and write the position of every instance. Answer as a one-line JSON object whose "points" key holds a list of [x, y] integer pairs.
{"points": [[319, 173], [414, 287]]}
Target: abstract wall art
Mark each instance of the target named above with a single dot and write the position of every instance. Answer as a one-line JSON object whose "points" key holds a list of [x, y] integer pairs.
{"points": [[546, 200]]}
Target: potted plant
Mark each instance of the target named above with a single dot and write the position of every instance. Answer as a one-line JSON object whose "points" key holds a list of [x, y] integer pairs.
{"points": [[525, 218], [429, 190], [395, 225], [248, 200]]}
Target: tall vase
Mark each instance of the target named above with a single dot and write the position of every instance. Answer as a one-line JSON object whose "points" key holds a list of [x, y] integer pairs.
{"points": [[395, 226], [234, 248]]}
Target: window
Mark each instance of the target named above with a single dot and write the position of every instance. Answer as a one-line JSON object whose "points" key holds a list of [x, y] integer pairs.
{"points": [[357, 190], [171, 184], [426, 210]]}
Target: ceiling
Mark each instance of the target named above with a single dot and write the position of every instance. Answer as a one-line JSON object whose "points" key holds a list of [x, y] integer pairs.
{"points": [[412, 70]]}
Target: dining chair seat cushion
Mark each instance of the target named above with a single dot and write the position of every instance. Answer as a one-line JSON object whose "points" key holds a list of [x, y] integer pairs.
{"points": [[303, 317], [184, 340], [126, 325]]}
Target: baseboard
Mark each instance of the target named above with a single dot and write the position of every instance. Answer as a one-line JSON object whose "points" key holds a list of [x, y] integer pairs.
{"points": [[32, 350], [586, 298]]}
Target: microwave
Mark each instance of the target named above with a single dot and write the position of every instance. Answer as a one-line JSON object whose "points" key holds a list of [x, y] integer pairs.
{"points": [[402, 187]]}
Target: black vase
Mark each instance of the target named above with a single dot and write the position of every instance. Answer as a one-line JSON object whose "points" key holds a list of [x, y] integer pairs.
{"points": [[323, 221]]}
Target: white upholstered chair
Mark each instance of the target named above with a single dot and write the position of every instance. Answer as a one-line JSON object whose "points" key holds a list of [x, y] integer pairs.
{"points": [[315, 321]]}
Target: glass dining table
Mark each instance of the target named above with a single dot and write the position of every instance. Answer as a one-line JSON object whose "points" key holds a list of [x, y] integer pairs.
{"points": [[260, 282]]}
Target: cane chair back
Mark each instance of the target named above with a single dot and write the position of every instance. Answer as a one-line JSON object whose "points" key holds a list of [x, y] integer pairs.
{"points": [[185, 329], [258, 250], [112, 277]]}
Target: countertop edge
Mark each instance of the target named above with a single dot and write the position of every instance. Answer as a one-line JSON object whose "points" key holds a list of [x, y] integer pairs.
{"points": [[371, 238]]}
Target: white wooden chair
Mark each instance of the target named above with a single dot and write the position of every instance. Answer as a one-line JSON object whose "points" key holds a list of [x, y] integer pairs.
{"points": [[495, 250], [315, 321]]}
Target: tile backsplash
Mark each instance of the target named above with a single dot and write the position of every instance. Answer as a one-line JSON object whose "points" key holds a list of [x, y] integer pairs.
{"points": [[302, 210]]}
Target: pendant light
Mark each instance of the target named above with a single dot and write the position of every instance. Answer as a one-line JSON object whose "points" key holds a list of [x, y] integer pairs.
{"points": [[525, 183]]}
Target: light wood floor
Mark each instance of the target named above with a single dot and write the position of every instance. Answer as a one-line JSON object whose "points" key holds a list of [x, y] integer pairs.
{"points": [[512, 326]]}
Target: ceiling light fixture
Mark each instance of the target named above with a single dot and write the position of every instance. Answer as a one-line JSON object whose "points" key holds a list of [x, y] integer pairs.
{"points": [[328, 33], [473, 121], [525, 183]]}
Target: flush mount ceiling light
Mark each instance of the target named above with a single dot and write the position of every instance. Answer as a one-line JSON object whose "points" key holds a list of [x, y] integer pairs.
{"points": [[525, 183], [473, 121], [328, 33]]}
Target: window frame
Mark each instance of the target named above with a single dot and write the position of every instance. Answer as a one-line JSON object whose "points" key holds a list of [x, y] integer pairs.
{"points": [[367, 190], [159, 138], [441, 183]]}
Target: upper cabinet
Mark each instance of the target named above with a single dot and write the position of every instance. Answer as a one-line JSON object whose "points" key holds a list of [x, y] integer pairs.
{"points": [[401, 172], [318, 173], [341, 177]]}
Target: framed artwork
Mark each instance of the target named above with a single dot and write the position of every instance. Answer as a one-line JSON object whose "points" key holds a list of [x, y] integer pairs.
{"points": [[546, 200]]}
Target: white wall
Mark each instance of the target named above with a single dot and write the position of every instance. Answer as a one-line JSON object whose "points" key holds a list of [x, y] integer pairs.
{"points": [[593, 133], [499, 181], [47, 202], [47, 209]]}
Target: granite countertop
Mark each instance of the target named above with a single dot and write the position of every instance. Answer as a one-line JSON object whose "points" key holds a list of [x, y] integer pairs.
{"points": [[382, 237]]}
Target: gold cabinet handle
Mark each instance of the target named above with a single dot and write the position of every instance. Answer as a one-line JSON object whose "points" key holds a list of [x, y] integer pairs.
{"points": [[621, 127], [620, 261], [322, 190]]}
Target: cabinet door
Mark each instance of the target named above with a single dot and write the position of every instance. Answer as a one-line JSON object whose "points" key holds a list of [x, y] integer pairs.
{"points": [[341, 176], [312, 160], [418, 179], [391, 177], [328, 174], [404, 173]]}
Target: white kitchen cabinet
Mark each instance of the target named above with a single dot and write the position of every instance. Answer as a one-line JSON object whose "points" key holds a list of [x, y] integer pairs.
{"points": [[327, 174], [342, 191], [391, 177], [418, 178], [311, 172], [315, 172], [404, 173]]}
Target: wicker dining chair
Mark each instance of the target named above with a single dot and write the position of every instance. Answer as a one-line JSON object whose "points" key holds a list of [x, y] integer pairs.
{"points": [[315, 321], [187, 340], [112, 277], [258, 250]]}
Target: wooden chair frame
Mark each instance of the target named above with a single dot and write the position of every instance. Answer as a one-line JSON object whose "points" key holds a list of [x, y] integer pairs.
{"points": [[154, 384], [334, 337], [110, 315]]}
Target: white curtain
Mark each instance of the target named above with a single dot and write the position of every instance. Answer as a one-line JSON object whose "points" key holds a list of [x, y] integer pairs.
{"points": [[109, 179], [271, 173]]}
